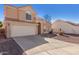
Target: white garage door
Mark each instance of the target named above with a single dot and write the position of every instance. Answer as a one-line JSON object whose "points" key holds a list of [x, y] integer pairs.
{"points": [[23, 30]]}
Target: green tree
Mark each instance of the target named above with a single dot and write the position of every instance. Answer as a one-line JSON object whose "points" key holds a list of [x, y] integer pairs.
{"points": [[1, 24]]}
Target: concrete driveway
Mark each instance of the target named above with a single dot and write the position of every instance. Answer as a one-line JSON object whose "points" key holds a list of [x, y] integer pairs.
{"points": [[39, 45]]}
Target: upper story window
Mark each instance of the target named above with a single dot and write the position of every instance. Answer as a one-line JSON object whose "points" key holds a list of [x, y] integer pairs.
{"points": [[28, 16]]}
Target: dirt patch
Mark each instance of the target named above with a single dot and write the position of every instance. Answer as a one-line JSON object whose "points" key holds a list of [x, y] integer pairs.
{"points": [[68, 38]]}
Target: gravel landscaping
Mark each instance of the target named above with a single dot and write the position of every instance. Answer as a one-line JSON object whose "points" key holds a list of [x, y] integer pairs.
{"points": [[68, 38]]}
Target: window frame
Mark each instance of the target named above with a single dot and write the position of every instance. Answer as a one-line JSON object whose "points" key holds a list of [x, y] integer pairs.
{"points": [[28, 16]]}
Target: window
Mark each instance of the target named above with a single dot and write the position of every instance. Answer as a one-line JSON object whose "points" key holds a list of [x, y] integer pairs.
{"points": [[28, 16]]}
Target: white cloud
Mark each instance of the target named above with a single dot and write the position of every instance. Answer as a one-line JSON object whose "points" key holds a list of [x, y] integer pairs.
{"points": [[53, 20]]}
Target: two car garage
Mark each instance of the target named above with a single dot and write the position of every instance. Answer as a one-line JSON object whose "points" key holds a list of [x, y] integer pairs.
{"points": [[16, 29]]}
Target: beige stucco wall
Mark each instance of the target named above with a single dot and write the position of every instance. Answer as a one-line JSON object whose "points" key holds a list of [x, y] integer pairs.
{"points": [[7, 29], [39, 21], [19, 13], [47, 26], [76, 29], [10, 12], [22, 13], [66, 27], [44, 25]]}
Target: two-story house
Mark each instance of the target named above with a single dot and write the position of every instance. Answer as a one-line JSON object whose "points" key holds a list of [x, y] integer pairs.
{"points": [[22, 21]]}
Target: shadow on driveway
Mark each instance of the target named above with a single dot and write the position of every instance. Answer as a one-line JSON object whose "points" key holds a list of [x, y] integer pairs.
{"points": [[10, 47], [29, 42]]}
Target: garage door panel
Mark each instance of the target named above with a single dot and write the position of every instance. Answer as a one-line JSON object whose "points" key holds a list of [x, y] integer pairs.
{"points": [[23, 30]]}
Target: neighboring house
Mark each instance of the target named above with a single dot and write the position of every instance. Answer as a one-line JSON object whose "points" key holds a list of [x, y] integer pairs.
{"points": [[66, 26], [22, 21]]}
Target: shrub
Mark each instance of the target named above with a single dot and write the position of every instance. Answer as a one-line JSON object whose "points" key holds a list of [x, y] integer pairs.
{"points": [[61, 32], [1, 24]]}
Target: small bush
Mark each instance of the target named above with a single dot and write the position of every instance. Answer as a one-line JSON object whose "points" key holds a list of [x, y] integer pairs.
{"points": [[61, 32], [1, 24]]}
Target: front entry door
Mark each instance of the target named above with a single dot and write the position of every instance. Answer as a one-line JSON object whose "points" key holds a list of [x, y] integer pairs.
{"points": [[39, 28]]}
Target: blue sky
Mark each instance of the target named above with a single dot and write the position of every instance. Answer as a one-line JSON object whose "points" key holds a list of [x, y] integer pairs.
{"points": [[1, 12], [69, 12]]}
